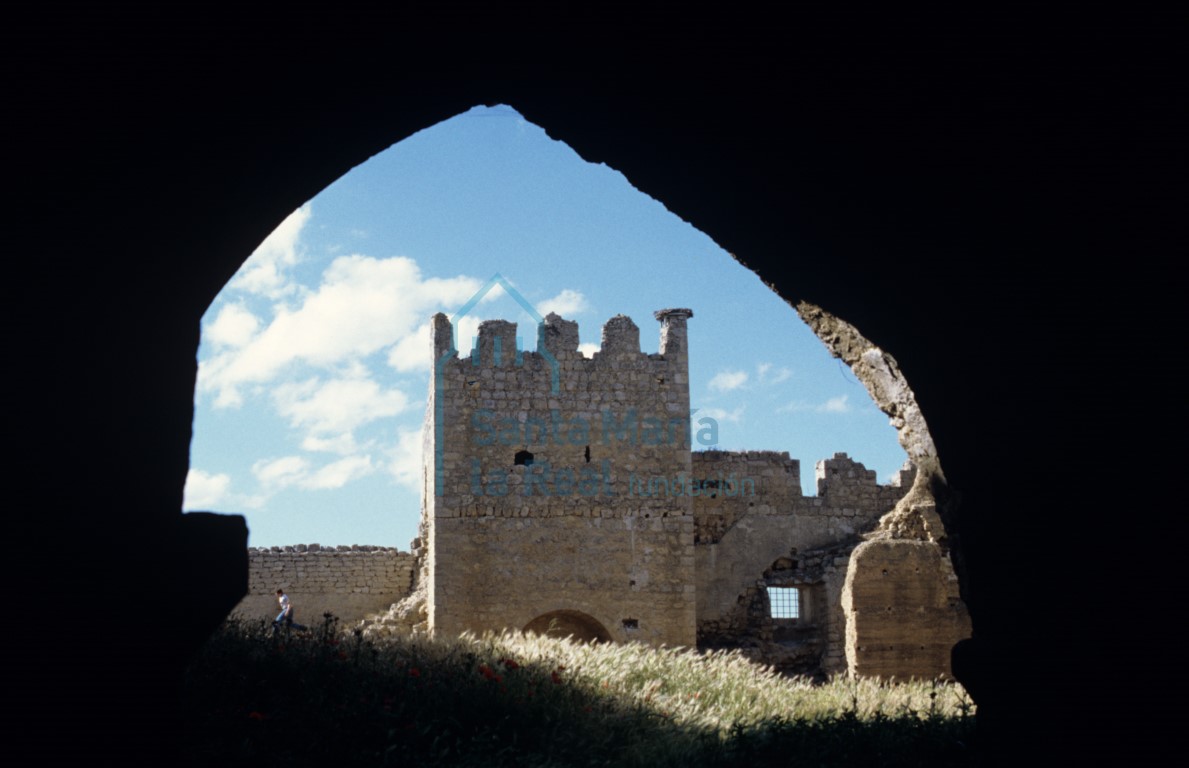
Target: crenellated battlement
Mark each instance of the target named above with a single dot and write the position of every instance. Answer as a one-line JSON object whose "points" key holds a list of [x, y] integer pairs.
{"points": [[521, 433], [499, 343], [767, 484], [840, 473], [844, 482], [621, 336], [557, 336], [674, 339]]}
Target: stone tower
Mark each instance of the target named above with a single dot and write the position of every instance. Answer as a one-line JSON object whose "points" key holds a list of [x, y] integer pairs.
{"points": [[532, 463]]}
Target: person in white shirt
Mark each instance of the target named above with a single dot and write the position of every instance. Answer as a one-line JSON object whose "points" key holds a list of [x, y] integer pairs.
{"points": [[285, 617]]}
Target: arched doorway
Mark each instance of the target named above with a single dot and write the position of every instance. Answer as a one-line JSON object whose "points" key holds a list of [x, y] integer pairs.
{"points": [[573, 624]]}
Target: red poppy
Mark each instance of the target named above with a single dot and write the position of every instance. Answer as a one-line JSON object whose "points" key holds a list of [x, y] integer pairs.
{"points": [[257, 716], [510, 664], [556, 677], [414, 672]]}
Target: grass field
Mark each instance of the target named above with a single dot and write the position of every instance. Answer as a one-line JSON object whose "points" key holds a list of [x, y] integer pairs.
{"points": [[336, 699]]}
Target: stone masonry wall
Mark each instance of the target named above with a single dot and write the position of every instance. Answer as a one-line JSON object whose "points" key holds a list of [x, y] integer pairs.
{"points": [[738, 483], [903, 610], [741, 537], [556, 483], [350, 582]]}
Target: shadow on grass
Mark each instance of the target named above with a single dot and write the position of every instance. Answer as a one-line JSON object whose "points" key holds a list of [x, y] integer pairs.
{"points": [[329, 699]]}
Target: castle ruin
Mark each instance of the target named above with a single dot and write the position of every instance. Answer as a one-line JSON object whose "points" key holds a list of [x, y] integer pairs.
{"points": [[564, 493], [572, 496]]}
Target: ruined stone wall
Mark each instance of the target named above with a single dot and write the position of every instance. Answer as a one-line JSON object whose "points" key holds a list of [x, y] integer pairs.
{"points": [[814, 533], [558, 483], [350, 582], [561, 493], [737, 483], [903, 611], [902, 597]]}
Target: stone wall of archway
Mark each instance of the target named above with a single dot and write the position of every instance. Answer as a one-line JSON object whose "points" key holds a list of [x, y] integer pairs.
{"points": [[943, 186]]}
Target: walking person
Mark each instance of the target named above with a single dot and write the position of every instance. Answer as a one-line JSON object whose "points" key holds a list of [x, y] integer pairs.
{"points": [[285, 617]]}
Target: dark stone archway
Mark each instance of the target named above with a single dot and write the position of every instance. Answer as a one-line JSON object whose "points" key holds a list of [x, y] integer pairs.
{"points": [[938, 183]]}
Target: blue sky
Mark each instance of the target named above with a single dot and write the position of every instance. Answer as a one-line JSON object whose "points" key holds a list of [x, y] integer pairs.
{"points": [[314, 363]]}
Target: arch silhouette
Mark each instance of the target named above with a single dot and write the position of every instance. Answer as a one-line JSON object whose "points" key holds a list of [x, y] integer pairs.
{"points": [[869, 165]]}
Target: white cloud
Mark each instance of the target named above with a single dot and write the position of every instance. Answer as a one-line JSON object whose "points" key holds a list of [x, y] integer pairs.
{"points": [[833, 405], [204, 490], [343, 444], [264, 271], [719, 414], [405, 465], [725, 381], [467, 331], [275, 474], [362, 305], [766, 375], [254, 501], [495, 292], [336, 406], [233, 327], [567, 304], [588, 349], [412, 353], [338, 473]]}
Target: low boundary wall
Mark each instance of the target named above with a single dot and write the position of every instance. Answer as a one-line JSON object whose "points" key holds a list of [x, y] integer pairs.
{"points": [[348, 581]]}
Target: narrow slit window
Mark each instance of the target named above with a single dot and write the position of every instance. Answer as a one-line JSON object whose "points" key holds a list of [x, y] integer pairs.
{"points": [[784, 602]]}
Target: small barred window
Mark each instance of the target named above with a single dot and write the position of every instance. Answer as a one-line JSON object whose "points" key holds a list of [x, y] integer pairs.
{"points": [[784, 602]]}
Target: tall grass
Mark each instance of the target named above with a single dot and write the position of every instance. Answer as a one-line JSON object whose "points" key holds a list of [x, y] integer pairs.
{"points": [[516, 700]]}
